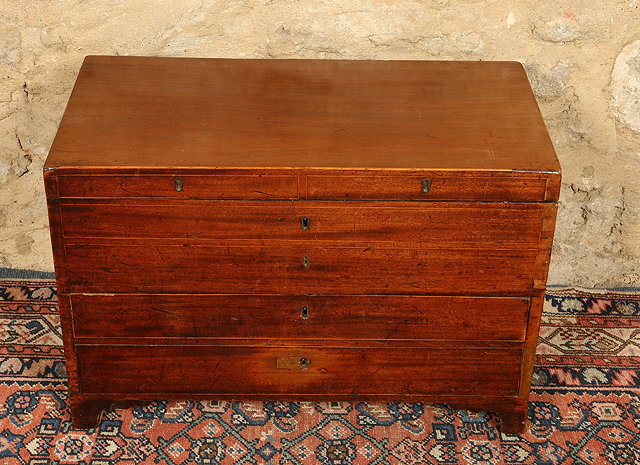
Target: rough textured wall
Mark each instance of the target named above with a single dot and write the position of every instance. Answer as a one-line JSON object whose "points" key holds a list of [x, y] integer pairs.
{"points": [[583, 59]]}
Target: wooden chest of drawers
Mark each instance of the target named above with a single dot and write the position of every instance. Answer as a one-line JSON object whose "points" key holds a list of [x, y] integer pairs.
{"points": [[301, 230]]}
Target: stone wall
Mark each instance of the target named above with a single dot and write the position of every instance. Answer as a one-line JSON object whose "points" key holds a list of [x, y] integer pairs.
{"points": [[583, 59]]}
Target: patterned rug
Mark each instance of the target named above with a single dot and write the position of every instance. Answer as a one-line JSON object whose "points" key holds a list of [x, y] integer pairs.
{"points": [[584, 408]]}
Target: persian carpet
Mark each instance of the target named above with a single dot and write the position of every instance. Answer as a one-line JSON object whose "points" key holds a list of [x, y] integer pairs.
{"points": [[584, 406]]}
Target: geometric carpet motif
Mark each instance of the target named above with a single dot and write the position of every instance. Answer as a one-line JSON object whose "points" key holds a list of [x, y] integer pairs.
{"points": [[584, 406]]}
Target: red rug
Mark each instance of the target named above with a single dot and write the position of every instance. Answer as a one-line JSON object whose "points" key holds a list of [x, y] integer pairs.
{"points": [[584, 407]]}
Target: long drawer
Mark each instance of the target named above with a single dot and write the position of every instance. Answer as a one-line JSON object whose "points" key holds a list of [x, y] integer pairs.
{"points": [[491, 225], [250, 370], [300, 317], [311, 268]]}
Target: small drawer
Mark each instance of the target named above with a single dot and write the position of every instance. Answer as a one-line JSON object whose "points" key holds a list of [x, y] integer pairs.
{"points": [[240, 370], [231, 186], [300, 317], [429, 186]]}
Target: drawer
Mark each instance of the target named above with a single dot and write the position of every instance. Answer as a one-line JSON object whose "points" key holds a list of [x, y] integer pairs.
{"points": [[255, 370], [447, 185], [296, 269], [300, 317], [422, 224], [250, 186]]}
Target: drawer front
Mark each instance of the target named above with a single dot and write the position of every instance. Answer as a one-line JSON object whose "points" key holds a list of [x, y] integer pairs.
{"points": [[180, 186], [423, 224], [296, 269], [429, 186], [281, 371], [300, 317]]}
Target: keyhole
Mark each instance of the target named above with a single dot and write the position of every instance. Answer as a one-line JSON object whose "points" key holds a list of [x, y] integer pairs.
{"points": [[178, 184], [306, 261], [304, 363], [305, 222], [426, 186], [304, 311]]}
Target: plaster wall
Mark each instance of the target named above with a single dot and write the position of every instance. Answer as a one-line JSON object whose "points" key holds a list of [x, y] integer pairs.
{"points": [[583, 59]]}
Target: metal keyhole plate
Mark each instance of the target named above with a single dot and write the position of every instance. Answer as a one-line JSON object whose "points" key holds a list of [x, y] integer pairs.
{"points": [[426, 186], [305, 222], [304, 312], [304, 363]]}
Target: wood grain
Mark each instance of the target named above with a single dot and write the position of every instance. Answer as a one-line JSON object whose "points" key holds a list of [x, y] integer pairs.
{"points": [[220, 113], [443, 186], [307, 183], [308, 317], [209, 369], [236, 186], [318, 343], [170, 178], [417, 225], [111, 267]]}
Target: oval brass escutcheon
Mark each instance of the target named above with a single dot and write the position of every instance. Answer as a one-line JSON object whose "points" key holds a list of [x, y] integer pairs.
{"points": [[305, 222], [426, 186], [304, 312], [178, 184], [306, 261], [304, 363]]}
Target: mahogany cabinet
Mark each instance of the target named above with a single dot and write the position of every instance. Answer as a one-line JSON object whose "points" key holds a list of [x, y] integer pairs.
{"points": [[301, 229]]}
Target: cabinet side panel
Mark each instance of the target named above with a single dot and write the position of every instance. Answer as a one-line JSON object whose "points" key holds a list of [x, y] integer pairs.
{"points": [[531, 342], [60, 264], [66, 322], [55, 231], [553, 187], [541, 270]]}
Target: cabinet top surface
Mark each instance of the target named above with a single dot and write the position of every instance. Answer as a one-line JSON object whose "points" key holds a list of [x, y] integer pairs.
{"points": [[137, 112]]}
